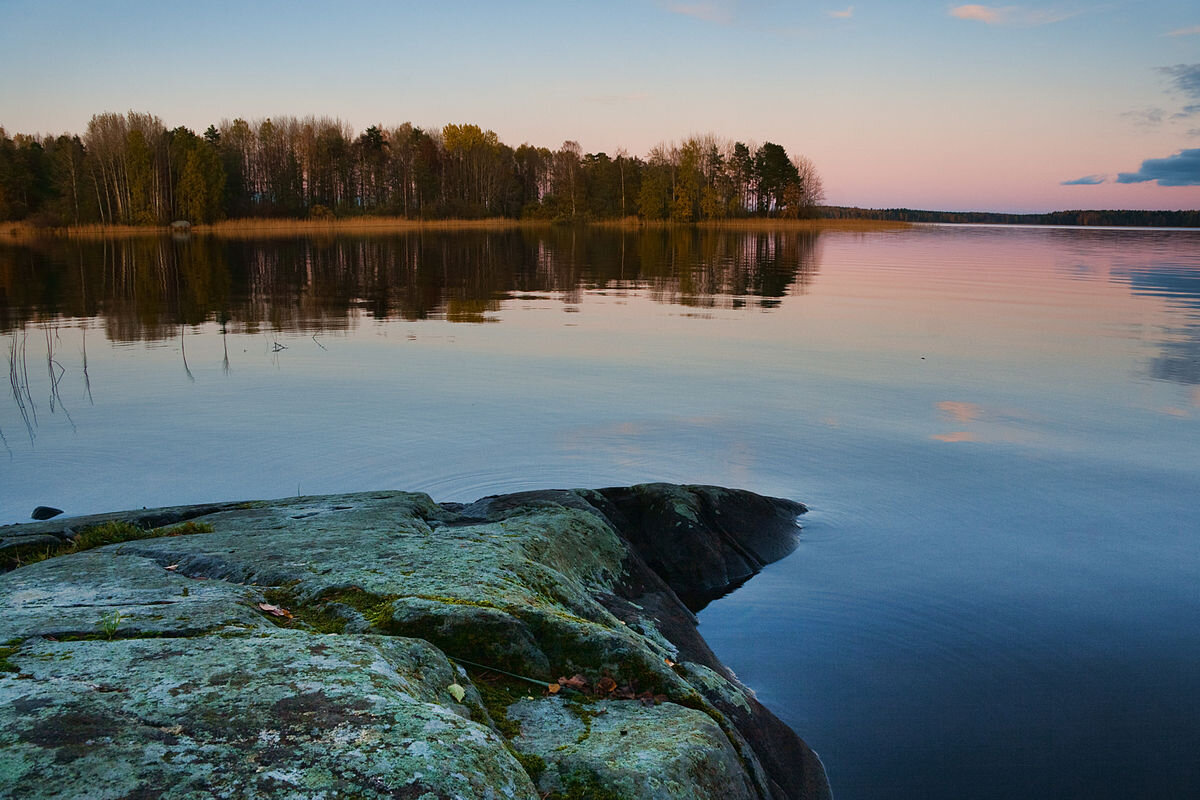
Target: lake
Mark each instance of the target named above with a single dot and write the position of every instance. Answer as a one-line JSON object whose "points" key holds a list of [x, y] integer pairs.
{"points": [[997, 430]]}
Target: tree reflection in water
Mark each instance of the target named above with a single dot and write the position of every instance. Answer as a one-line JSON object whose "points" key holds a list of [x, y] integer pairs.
{"points": [[144, 289]]}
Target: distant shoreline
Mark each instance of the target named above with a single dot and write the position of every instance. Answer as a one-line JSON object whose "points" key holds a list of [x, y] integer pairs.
{"points": [[1082, 218], [832, 218], [267, 228]]}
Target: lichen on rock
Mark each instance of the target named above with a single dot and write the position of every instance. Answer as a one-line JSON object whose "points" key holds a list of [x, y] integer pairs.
{"points": [[306, 647]]}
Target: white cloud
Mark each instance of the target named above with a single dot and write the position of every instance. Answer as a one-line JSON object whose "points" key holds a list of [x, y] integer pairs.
{"points": [[844, 14], [1192, 31]]}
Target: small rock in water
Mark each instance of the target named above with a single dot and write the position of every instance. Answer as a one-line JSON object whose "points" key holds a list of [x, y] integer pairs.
{"points": [[45, 512]]}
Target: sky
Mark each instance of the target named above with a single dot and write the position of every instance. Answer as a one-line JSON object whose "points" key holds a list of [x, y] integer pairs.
{"points": [[932, 105]]}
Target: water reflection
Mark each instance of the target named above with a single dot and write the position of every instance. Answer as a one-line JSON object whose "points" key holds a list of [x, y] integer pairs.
{"points": [[1179, 286], [144, 289], [20, 384]]}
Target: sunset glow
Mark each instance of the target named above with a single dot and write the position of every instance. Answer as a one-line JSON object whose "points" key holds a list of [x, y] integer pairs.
{"points": [[1031, 107]]}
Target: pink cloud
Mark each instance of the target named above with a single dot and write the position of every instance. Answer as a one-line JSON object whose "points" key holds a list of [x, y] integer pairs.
{"points": [[981, 13], [1009, 15]]}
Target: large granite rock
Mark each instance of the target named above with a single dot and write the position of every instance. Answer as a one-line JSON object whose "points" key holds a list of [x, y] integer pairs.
{"points": [[383, 645]]}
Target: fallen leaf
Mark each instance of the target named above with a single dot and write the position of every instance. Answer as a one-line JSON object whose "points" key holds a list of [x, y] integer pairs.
{"points": [[276, 611], [553, 688], [668, 662], [605, 685], [577, 682], [172, 567], [458, 691]]}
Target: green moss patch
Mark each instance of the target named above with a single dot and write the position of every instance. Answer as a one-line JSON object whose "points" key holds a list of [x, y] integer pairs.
{"points": [[322, 615], [583, 787], [498, 694], [6, 651], [185, 529], [113, 532], [534, 765]]}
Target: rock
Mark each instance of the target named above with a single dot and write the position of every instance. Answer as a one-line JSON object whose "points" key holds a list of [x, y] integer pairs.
{"points": [[308, 646], [270, 714], [703, 540], [635, 752], [45, 512]]}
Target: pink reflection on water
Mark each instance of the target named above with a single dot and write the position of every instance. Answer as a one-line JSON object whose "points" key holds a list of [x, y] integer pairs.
{"points": [[960, 412], [956, 436]]}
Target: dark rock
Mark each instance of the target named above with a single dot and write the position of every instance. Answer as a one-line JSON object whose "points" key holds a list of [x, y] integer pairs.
{"points": [[45, 512], [702, 540]]}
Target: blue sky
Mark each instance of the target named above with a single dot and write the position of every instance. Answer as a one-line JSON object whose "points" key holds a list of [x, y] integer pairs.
{"points": [[923, 104]]}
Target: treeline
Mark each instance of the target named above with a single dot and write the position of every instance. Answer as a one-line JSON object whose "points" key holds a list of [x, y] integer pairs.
{"points": [[1115, 218], [131, 169]]}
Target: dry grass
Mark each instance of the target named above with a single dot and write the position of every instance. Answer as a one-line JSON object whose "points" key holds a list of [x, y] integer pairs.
{"points": [[625, 223], [776, 224], [259, 228], [268, 228], [759, 224], [23, 232]]}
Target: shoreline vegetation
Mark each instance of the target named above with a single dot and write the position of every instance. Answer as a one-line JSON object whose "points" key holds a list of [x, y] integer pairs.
{"points": [[271, 228], [130, 169], [129, 175]]}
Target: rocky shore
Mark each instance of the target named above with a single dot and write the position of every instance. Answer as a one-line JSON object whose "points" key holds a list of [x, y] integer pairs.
{"points": [[532, 645]]}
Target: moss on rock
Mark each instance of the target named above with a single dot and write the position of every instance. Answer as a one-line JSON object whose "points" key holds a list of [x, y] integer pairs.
{"points": [[299, 647]]}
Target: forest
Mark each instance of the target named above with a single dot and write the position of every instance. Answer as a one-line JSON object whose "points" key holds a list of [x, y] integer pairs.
{"points": [[130, 169]]}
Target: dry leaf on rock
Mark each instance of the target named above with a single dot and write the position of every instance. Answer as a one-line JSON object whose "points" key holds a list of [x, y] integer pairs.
{"points": [[576, 682], [276, 611]]}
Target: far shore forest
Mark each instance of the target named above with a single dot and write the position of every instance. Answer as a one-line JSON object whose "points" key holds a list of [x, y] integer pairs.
{"points": [[131, 170]]}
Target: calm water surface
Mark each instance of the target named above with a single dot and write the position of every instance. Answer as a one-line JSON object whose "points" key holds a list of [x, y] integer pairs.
{"points": [[997, 430]]}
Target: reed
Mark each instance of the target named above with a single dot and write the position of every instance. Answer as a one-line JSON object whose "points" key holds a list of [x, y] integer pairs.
{"points": [[776, 224], [23, 232], [629, 223], [268, 228]]}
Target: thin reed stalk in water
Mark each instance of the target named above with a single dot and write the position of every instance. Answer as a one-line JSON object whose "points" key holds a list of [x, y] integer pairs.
{"points": [[14, 380], [87, 381], [25, 374], [183, 351], [55, 380]]}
